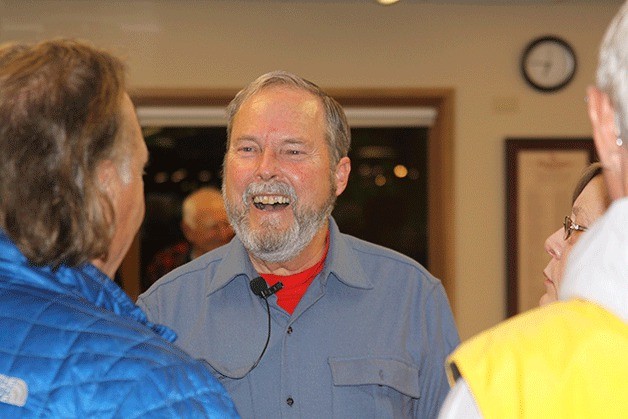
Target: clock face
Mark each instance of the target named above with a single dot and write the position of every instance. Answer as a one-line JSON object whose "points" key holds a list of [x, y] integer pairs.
{"points": [[548, 63]]}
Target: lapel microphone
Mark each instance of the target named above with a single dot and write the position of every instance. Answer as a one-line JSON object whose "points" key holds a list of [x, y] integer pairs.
{"points": [[259, 287]]}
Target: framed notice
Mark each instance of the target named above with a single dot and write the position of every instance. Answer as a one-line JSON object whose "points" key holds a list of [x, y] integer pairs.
{"points": [[540, 177]]}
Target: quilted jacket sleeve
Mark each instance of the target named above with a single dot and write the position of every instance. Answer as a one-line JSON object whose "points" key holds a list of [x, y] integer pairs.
{"points": [[182, 389], [75, 360]]}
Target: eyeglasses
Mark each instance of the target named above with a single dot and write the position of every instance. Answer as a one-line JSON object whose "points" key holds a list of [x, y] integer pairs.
{"points": [[570, 227]]}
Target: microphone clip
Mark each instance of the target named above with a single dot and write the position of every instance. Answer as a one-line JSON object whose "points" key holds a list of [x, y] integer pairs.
{"points": [[259, 287]]}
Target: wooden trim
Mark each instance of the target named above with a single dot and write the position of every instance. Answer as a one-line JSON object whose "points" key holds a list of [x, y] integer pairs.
{"points": [[441, 214], [130, 269], [182, 97]]}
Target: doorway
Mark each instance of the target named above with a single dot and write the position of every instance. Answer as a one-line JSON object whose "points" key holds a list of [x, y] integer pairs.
{"points": [[437, 184]]}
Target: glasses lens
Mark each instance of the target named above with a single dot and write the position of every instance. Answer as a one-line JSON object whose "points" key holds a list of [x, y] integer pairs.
{"points": [[567, 226]]}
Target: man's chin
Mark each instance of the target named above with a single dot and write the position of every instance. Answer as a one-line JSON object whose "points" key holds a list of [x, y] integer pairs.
{"points": [[270, 227], [267, 238], [270, 219]]}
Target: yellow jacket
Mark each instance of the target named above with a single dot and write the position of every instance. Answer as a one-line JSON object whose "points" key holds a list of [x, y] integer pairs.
{"points": [[566, 360]]}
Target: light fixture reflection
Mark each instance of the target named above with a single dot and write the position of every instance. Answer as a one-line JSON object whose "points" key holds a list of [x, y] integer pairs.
{"points": [[161, 177], [179, 175], [387, 2], [204, 175], [400, 171], [364, 170]]}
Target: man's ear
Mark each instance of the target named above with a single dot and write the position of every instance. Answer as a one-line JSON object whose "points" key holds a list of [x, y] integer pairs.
{"points": [[108, 181], [605, 133], [343, 168], [602, 116]]}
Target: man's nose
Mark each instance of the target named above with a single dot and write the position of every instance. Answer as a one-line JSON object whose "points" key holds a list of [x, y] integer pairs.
{"points": [[268, 166]]}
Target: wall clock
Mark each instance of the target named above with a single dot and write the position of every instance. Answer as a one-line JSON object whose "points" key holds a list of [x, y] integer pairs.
{"points": [[548, 63]]}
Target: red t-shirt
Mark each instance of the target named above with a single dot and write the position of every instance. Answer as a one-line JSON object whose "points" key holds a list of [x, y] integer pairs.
{"points": [[294, 286]]}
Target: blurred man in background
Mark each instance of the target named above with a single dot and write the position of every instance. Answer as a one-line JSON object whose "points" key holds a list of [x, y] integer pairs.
{"points": [[205, 226]]}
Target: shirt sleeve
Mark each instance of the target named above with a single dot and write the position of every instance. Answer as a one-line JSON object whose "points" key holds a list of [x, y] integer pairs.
{"points": [[440, 339], [460, 403]]}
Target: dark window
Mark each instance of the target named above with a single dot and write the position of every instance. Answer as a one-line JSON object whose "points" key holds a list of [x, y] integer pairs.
{"points": [[386, 199]]}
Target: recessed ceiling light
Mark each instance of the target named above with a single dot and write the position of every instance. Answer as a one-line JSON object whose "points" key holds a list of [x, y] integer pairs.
{"points": [[387, 2]]}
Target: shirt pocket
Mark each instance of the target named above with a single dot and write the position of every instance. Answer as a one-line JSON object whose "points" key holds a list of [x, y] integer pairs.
{"points": [[381, 387]]}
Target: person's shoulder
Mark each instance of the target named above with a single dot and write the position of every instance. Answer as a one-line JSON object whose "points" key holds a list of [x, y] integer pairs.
{"points": [[191, 275], [202, 263], [84, 345], [155, 365], [69, 323], [546, 320], [554, 331], [152, 365], [374, 256], [375, 250]]}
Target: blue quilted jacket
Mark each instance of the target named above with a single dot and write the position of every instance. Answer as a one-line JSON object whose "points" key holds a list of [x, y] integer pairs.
{"points": [[73, 345]]}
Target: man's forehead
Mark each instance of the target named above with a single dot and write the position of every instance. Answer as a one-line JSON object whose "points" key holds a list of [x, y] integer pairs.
{"points": [[308, 98]]}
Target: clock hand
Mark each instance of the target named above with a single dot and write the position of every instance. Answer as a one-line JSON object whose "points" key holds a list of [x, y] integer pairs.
{"points": [[548, 62]]}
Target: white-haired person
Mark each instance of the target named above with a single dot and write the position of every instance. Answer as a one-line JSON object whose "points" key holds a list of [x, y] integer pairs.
{"points": [[205, 226], [567, 359]]}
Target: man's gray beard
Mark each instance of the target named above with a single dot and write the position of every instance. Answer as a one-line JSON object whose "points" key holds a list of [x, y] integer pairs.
{"points": [[271, 244]]}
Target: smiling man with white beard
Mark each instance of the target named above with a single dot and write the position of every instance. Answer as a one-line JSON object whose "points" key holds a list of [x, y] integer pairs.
{"points": [[343, 328]]}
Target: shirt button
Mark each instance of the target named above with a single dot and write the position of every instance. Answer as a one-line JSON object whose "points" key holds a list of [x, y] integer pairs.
{"points": [[289, 330], [290, 401]]}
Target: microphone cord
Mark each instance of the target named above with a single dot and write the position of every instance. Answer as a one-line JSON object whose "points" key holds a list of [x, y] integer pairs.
{"points": [[259, 358], [263, 292]]}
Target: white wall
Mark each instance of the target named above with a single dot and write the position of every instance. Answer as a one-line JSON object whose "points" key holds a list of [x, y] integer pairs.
{"points": [[353, 44]]}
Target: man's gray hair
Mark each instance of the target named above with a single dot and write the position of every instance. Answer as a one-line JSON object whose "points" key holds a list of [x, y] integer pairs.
{"points": [[612, 72]]}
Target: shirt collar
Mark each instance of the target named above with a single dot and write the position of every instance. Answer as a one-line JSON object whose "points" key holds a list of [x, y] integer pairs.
{"points": [[234, 264], [342, 263]]}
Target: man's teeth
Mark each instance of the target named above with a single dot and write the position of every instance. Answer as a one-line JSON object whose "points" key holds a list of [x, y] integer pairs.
{"points": [[270, 200]]}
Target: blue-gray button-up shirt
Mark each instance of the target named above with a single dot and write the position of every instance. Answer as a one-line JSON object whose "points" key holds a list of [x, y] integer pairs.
{"points": [[368, 339]]}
